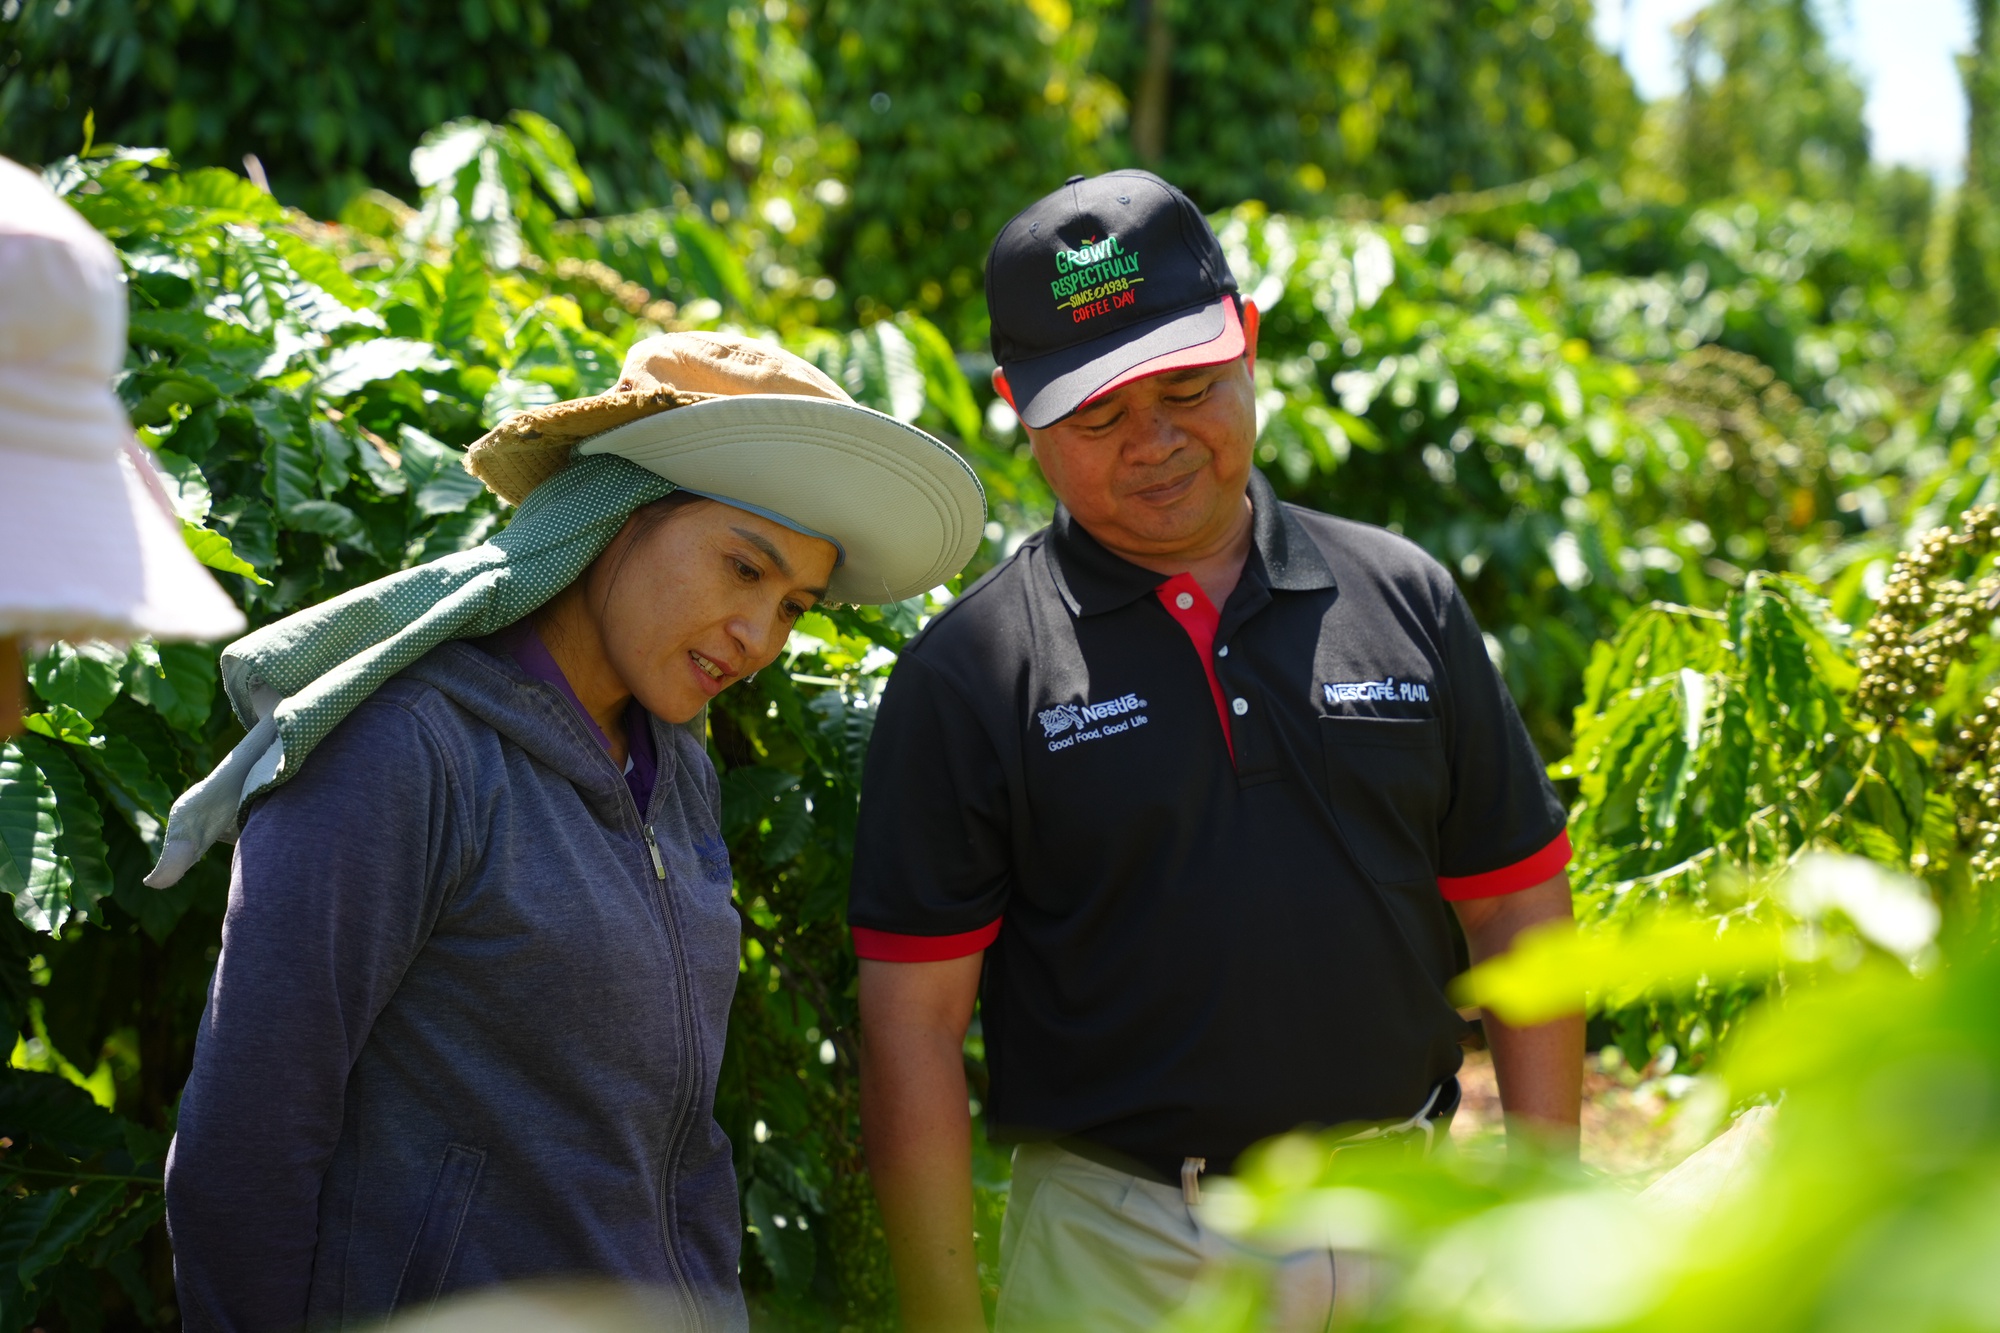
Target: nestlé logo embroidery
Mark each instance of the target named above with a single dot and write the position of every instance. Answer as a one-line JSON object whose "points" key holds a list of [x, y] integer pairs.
{"points": [[1066, 724]]}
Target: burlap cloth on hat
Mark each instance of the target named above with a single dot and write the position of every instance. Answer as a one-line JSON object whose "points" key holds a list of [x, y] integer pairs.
{"points": [[661, 373]]}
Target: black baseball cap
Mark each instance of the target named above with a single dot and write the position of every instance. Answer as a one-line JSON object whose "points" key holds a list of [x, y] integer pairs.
{"points": [[1110, 278]]}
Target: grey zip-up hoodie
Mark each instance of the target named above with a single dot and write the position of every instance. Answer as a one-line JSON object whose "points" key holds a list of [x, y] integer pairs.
{"points": [[466, 1023]]}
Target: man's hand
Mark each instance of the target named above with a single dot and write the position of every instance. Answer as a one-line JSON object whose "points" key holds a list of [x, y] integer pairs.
{"points": [[916, 1125], [1540, 1068]]}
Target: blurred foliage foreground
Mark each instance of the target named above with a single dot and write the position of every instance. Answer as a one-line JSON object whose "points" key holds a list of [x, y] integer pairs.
{"points": [[1671, 455]]}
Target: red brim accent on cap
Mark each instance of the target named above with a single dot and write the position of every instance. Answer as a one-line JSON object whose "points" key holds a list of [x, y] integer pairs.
{"points": [[1225, 346]]}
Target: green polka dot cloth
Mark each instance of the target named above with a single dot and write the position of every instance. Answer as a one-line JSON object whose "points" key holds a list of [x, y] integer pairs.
{"points": [[294, 680]]}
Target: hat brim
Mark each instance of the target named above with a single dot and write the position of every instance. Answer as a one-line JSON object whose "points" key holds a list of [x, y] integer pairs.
{"points": [[905, 509], [1048, 388], [88, 551]]}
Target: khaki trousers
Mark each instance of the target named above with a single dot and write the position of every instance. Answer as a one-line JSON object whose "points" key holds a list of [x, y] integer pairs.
{"points": [[1085, 1247]]}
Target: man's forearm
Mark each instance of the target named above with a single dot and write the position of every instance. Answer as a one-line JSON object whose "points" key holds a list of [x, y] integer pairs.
{"points": [[917, 1129], [1539, 1068], [1540, 1072]]}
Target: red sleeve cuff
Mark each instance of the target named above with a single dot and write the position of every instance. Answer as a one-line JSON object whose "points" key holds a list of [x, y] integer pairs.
{"points": [[1509, 879], [887, 947]]}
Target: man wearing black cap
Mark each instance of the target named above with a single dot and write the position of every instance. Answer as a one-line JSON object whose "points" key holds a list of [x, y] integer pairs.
{"points": [[1181, 791]]}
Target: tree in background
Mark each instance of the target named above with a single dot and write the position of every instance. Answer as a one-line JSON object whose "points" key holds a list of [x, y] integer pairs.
{"points": [[960, 115], [1297, 101], [1767, 108], [1975, 302], [331, 97]]}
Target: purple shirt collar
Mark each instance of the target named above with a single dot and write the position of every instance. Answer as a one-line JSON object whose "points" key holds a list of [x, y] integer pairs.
{"points": [[521, 642]]}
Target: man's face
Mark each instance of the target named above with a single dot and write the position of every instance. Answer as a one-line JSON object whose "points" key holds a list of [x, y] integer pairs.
{"points": [[1157, 467]]}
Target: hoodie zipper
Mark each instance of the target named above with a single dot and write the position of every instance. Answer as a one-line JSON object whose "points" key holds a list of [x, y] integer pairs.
{"points": [[690, 1042]]}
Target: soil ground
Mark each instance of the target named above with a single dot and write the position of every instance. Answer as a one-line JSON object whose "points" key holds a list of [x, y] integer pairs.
{"points": [[1628, 1121]]}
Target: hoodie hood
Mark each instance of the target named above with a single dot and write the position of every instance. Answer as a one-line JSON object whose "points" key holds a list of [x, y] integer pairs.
{"points": [[492, 687]]}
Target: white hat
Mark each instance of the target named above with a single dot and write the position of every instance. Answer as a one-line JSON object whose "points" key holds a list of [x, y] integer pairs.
{"points": [[89, 544], [752, 425]]}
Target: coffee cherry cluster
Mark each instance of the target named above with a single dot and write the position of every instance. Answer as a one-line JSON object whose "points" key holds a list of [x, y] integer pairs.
{"points": [[1927, 618], [1979, 784]]}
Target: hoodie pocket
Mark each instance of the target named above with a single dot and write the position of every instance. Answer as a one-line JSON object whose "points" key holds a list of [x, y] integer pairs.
{"points": [[1387, 781], [436, 1243]]}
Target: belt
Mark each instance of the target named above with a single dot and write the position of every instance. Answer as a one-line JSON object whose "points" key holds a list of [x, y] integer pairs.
{"points": [[1438, 1108]]}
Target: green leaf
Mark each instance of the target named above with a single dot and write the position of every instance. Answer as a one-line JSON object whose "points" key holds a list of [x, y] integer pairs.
{"points": [[787, 1248], [54, 1113], [1876, 843], [83, 1208], [791, 824], [80, 840], [84, 677], [550, 155], [447, 150], [60, 723], [356, 365], [136, 791], [882, 371], [1904, 772], [510, 396], [31, 870], [265, 279], [437, 473], [466, 284], [213, 549], [224, 192], [335, 450], [387, 476], [329, 519], [288, 462], [1730, 786], [23, 1220], [749, 795], [321, 268], [175, 680], [944, 382], [710, 261], [185, 484], [1555, 969]]}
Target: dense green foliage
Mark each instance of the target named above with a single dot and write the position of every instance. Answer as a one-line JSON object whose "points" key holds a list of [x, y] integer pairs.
{"points": [[331, 98], [1301, 101]]}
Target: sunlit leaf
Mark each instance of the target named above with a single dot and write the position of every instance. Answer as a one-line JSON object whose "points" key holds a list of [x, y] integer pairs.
{"points": [[359, 364], [1552, 970], [32, 872], [213, 549], [86, 676]]}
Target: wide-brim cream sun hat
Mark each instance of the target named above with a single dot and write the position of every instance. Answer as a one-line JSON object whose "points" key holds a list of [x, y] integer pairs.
{"points": [[90, 547], [752, 425]]}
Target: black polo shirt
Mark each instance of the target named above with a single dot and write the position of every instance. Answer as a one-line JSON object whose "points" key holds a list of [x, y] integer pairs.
{"points": [[1208, 854]]}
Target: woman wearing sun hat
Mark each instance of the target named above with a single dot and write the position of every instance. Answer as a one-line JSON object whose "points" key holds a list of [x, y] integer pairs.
{"points": [[479, 951]]}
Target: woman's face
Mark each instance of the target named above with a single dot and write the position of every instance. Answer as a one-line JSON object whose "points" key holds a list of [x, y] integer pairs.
{"points": [[693, 602]]}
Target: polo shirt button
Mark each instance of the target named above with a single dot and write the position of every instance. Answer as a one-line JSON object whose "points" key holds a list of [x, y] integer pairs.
{"points": [[1223, 651], [1240, 707], [1185, 601]]}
